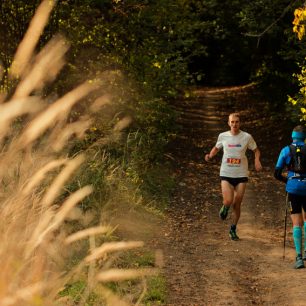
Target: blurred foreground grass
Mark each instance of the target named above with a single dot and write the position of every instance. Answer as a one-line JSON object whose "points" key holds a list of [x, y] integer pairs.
{"points": [[74, 186]]}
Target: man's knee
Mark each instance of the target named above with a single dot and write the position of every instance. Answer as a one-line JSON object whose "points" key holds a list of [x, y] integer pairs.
{"points": [[227, 202], [238, 200]]}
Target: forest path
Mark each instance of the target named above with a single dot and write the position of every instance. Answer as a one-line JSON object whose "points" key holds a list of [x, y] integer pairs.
{"points": [[202, 265]]}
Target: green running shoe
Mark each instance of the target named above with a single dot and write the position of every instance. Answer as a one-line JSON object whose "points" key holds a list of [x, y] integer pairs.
{"points": [[233, 235], [299, 263], [223, 212]]}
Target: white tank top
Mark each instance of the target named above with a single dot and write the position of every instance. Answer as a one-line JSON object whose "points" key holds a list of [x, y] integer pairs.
{"points": [[234, 161]]}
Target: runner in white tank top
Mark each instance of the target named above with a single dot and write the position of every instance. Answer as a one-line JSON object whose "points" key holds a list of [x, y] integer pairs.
{"points": [[234, 168]]}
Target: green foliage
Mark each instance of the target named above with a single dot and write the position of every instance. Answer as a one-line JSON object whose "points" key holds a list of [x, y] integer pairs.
{"points": [[15, 16], [156, 285], [275, 48], [165, 45], [147, 40], [298, 100], [156, 294], [155, 120], [75, 292], [105, 37], [137, 259], [153, 42], [158, 185]]}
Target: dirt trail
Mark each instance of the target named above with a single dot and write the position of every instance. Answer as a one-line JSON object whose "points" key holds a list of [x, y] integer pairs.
{"points": [[202, 266]]}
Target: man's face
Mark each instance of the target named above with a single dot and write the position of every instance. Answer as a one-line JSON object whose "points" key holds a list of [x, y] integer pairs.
{"points": [[234, 123]]}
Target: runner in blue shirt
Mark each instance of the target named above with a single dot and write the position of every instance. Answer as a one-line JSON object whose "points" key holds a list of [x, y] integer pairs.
{"points": [[296, 189]]}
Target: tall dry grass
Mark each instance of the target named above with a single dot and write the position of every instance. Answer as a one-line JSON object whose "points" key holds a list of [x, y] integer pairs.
{"points": [[34, 170]]}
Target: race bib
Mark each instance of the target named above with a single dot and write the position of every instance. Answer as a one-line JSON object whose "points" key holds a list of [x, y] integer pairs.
{"points": [[233, 161]]}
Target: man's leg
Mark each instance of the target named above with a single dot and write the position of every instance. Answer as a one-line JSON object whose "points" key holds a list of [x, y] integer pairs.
{"points": [[304, 219], [238, 196], [297, 221], [228, 197]]}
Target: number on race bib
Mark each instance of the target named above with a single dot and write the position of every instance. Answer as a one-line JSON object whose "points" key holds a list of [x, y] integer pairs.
{"points": [[234, 161]]}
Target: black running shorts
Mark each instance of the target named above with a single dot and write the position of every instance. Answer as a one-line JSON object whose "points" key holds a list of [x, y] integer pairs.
{"points": [[234, 181], [296, 203]]}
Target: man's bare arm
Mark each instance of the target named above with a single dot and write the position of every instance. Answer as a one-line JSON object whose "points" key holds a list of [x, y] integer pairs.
{"points": [[258, 165], [211, 154]]}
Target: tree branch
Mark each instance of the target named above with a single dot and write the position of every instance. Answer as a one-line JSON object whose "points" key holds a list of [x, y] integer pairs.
{"points": [[271, 25]]}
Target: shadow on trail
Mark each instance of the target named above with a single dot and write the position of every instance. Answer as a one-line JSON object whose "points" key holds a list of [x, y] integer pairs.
{"points": [[202, 266]]}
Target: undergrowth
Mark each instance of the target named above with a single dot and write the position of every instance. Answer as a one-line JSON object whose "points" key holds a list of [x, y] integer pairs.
{"points": [[75, 169]]}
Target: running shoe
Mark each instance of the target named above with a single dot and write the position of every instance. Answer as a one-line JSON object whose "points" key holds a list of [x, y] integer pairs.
{"points": [[223, 212], [299, 263], [304, 257], [233, 235]]}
